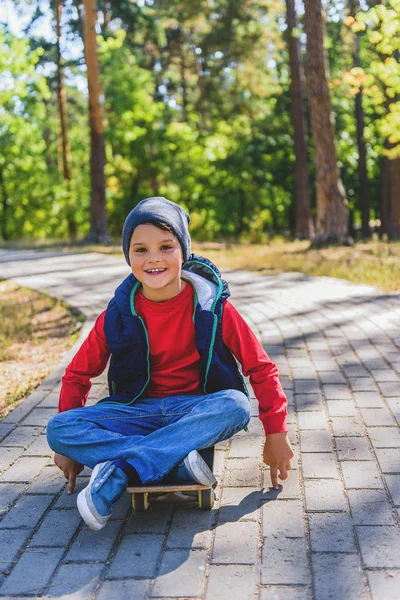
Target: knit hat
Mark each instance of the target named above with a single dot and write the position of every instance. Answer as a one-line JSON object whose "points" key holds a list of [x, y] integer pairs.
{"points": [[158, 208]]}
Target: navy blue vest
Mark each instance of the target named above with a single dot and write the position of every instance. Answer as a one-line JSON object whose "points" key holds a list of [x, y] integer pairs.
{"points": [[126, 335]]}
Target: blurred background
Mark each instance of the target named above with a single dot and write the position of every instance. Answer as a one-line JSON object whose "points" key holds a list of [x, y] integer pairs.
{"points": [[263, 118]]}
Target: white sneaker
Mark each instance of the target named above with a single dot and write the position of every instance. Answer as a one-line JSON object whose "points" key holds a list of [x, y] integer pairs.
{"points": [[97, 500], [199, 469]]}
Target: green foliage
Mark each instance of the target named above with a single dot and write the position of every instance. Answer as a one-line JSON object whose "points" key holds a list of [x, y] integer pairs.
{"points": [[204, 136], [382, 27], [196, 108], [35, 198], [22, 109]]}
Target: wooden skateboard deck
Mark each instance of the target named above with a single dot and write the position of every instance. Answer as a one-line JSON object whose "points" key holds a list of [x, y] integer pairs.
{"points": [[205, 494]]}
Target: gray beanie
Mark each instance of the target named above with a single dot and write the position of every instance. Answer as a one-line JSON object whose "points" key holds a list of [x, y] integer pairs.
{"points": [[158, 208]]}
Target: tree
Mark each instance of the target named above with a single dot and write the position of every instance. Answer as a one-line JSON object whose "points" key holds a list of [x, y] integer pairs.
{"points": [[304, 224], [5, 201], [98, 216], [63, 115], [364, 200], [26, 207], [332, 212], [384, 21]]}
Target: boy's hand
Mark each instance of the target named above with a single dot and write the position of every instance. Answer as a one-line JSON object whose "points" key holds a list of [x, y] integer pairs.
{"points": [[70, 468], [277, 454]]}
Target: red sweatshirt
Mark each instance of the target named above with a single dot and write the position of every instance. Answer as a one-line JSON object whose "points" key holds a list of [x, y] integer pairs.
{"points": [[175, 368]]}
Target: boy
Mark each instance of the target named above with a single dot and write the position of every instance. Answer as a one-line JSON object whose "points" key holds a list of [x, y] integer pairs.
{"points": [[174, 383]]}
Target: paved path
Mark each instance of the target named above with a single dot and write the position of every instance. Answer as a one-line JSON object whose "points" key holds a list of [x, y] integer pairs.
{"points": [[331, 532]]}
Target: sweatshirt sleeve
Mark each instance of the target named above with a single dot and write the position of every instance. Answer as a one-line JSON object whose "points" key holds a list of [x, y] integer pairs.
{"points": [[90, 361], [263, 373]]}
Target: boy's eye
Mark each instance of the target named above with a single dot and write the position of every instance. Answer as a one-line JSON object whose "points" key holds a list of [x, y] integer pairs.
{"points": [[142, 249]]}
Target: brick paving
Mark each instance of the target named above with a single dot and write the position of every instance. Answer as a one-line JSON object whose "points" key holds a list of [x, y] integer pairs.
{"points": [[330, 532]]}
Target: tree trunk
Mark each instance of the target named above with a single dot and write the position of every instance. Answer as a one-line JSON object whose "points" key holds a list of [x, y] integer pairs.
{"points": [[332, 212], [304, 226], [390, 177], [390, 192], [182, 68], [390, 197], [5, 201], [384, 196], [49, 157], [98, 225], [394, 229], [62, 111], [364, 199], [364, 202]]}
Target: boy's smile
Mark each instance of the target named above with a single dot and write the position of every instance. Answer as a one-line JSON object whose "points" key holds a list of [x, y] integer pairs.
{"points": [[156, 261]]}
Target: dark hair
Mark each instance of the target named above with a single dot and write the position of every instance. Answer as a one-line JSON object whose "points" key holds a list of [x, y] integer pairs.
{"points": [[160, 225]]}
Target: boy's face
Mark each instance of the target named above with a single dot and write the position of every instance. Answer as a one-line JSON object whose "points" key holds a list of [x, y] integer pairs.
{"points": [[156, 261]]}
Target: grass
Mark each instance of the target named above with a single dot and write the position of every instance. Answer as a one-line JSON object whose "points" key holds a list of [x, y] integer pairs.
{"points": [[35, 332], [374, 263]]}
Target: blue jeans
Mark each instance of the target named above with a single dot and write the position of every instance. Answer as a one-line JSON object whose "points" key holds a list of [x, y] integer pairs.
{"points": [[153, 434]]}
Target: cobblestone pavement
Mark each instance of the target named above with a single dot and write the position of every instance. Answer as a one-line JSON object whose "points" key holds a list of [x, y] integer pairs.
{"points": [[330, 532]]}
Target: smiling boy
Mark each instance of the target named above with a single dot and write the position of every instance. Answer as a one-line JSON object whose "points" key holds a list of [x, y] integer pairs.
{"points": [[172, 338]]}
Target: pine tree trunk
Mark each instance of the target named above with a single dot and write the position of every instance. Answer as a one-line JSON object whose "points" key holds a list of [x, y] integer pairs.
{"points": [[390, 189], [394, 214], [47, 134], [5, 206], [364, 200], [304, 226], [62, 111], [390, 178], [384, 196], [332, 212], [183, 74], [98, 226]]}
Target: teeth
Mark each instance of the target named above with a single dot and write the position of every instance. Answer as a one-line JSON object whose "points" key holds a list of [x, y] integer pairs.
{"points": [[155, 270]]}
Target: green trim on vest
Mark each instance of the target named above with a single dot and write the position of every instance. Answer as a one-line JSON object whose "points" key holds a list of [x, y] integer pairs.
{"points": [[220, 287], [134, 313], [195, 299]]}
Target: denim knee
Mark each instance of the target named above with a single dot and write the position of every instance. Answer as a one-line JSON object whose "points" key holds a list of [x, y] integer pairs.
{"points": [[53, 432], [239, 406]]}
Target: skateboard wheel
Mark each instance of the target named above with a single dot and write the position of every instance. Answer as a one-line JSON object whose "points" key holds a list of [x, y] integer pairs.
{"points": [[140, 502], [206, 499]]}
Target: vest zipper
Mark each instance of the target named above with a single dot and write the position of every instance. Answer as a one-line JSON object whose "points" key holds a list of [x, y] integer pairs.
{"points": [[195, 300]]}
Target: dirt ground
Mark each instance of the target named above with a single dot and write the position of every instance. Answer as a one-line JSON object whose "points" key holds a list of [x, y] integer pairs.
{"points": [[36, 330]]}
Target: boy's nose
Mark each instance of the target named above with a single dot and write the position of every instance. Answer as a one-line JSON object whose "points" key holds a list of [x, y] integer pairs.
{"points": [[154, 257]]}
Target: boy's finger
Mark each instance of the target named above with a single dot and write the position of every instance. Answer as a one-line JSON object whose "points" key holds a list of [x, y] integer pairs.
{"points": [[71, 482], [274, 478], [283, 473]]}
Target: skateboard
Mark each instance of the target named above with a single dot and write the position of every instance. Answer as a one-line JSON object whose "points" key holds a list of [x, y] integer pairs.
{"points": [[205, 494]]}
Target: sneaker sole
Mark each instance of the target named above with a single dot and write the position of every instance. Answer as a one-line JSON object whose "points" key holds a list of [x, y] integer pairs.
{"points": [[87, 515], [199, 469]]}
